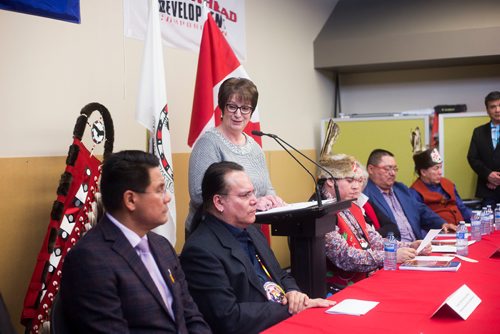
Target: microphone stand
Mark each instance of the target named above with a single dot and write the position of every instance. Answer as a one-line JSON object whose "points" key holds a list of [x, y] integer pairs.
{"points": [[280, 141], [318, 193]]}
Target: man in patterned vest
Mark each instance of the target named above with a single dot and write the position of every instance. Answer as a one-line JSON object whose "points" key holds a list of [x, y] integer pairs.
{"points": [[437, 192]]}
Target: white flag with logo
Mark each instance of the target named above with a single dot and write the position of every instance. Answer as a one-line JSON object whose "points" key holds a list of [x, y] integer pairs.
{"points": [[181, 22], [152, 111]]}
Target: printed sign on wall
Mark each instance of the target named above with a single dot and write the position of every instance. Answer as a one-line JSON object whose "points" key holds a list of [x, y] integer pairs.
{"points": [[182, 22]]}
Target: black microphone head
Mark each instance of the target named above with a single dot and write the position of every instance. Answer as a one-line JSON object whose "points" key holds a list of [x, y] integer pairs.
{"points": [[258, 133]]}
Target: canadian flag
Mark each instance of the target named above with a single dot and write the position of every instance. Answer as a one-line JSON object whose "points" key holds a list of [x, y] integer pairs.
{"points": [[216, 63], [152, 111]]}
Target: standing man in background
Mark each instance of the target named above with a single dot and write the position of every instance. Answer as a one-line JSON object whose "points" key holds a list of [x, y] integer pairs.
{"points": [[484, 153]]}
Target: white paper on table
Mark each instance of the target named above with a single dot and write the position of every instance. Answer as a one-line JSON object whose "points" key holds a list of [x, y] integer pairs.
{"points": [[448, 248], [289, 207], [352, 307], [448, 235], [463, 302], [428, 238], [446, 242], [452, 242], [444, 249], [293, 206], [434, 258]]}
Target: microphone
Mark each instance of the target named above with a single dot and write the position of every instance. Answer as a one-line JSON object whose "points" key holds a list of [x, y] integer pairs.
{"points": [[260, 134], [280, 141], [318, 193]]}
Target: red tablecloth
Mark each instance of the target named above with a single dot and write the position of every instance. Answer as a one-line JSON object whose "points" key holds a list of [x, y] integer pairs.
{"points": [[409, 298]]}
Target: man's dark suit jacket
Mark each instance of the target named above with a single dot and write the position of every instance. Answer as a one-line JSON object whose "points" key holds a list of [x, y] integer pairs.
{"points": [[105, 287], [419, 215], [484, 159], [223, 281]]}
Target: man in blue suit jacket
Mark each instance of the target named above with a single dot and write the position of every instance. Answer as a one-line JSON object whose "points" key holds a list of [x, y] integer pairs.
{"points": [[412, 218], [106, 285]]}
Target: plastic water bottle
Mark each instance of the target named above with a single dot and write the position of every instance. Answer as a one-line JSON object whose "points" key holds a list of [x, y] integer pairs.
{"points": [[491, 218], [484, 222], [475, 225], [462, 243], [497, 217], [390, 252]]}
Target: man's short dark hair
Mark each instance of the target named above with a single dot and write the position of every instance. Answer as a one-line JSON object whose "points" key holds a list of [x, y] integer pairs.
{"points": [[122, 171], [492, 96], [377, 155]]}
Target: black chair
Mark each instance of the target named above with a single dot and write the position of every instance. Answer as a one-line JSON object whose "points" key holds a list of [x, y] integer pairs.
{"points": [[472, 203], [58, 324], [6, 326]]}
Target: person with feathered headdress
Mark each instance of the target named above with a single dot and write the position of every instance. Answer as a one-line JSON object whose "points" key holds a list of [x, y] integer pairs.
{"points": [[354, 249]]}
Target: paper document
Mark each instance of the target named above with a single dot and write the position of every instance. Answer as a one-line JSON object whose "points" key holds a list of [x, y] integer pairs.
{"points": [[443, 248], [289, 207], [447, 235], [352, 307], [444, 242], [465, 258], [435, 258], [428, 238], [294, 206]]}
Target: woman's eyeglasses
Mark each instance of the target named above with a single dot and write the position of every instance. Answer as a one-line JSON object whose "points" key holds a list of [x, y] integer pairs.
{"points": [[232, 108]]}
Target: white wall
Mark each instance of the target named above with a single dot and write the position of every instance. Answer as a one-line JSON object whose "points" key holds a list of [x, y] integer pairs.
{"points": [[50, 69], [396, 91]]}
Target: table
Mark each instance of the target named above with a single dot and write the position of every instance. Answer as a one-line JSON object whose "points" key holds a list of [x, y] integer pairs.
{"points": [[409, 298]]}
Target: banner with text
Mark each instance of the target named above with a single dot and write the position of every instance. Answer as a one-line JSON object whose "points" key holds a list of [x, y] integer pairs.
{"points": [[182, 22]]}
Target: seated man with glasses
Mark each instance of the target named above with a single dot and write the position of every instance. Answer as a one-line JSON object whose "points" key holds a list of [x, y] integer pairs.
{"points": [[354, 249], [232, 272], [394, 199]]}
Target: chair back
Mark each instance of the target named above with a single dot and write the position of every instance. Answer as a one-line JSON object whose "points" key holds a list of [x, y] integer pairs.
{"points": [[58, 324], [6, 326]]}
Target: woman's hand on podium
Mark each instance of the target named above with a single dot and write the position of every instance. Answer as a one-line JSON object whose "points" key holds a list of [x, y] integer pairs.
{"points": [[269, 202]]}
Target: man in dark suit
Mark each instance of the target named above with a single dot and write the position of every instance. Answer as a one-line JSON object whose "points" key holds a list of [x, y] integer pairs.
{"points": [[412, 218], [233, 275], [484, 153], [111, 282]]}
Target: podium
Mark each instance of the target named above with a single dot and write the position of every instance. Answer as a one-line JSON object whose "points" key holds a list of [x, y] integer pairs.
{"points": [[306, 229]]}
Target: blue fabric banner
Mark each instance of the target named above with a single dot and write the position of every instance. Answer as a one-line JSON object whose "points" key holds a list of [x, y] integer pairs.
{"points": [[65, 10]]}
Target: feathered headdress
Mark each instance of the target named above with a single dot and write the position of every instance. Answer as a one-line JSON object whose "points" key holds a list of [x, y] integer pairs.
{"points": [[423, 157], [339, 165], [331, 136], [416, 140]]}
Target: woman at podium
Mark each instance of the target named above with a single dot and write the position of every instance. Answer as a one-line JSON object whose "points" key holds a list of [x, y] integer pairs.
{"points": [[354, 250], [237, 99]]}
